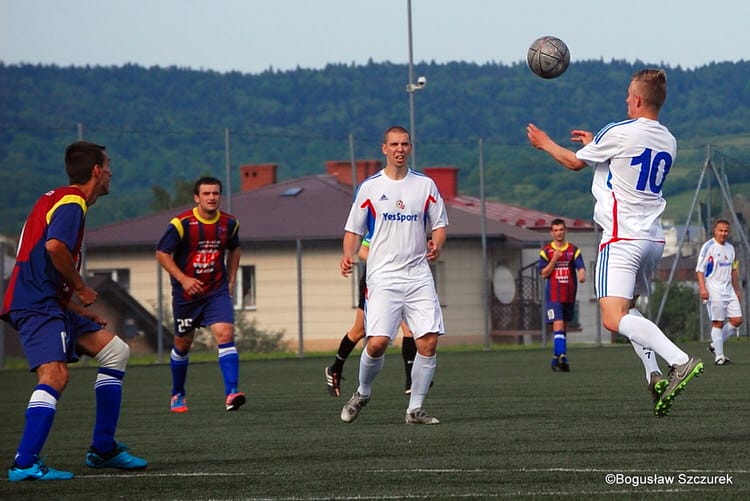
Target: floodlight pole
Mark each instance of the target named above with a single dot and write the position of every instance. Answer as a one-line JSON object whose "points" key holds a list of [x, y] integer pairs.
{"points": [[411, 87], [227, 171], [486, 288]]}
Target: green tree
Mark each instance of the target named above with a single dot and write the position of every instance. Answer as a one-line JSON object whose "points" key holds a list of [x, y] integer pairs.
{"points": [[166, 124], [247, 336], [680, 319], [163, 200]]}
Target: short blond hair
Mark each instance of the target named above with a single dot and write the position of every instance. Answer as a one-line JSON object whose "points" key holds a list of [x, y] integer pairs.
{"points": [[395, 128], [652, 86]]}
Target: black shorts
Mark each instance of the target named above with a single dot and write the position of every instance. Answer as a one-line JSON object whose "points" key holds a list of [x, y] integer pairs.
{"points": [[362, 288]]}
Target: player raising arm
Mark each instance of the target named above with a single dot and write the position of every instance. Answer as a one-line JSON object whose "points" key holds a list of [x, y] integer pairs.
{"points": [[631, 160]]}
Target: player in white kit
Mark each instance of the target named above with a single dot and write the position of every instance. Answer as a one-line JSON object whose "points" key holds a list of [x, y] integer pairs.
{"points": [[397, 208], [719, 288], [631, 160]]}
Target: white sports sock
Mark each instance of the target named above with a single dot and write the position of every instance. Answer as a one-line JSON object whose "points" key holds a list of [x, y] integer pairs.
{"points": [[368, 368], [646, 333], [645, 353], [717, 341], [728, 330], [422, 373], [648, 359]]}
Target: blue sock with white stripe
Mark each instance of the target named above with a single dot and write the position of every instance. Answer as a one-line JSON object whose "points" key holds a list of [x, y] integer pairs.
{"points": [[40, 413], [178, 363], [229, 363], [108, 389], [560, 345]]}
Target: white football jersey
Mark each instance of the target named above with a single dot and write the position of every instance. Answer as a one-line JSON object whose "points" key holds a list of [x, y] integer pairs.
{"points": [[631, 160], [716, 262], [395, 214]]}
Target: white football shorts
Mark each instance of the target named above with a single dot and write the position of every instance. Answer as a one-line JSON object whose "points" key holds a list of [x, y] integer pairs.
{"points": [[414, 302], [624, 267], [718, 311]]}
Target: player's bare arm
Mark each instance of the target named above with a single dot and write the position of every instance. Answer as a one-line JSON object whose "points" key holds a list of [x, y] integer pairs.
{"points": [[191, 286], [436, 243], [63, 261], [77, 308], [364, 251], [702, 290], [565, 157], [351, 245], [547, 270], [581, 136], [233, 264]]}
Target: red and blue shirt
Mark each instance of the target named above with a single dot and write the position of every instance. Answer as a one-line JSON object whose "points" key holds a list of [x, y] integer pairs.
{"points": [[35, 284], [562, 284], [198, 246]]}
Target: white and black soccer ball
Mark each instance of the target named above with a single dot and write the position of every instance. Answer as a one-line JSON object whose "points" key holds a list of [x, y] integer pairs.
{"points": [[548, 57]]}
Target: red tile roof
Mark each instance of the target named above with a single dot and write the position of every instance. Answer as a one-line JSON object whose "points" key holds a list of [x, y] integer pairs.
{"points": [[315, 208], [518, 216]]}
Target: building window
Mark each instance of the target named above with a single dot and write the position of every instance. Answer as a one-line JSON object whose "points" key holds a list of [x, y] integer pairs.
{"points": [[121, 276], [244, 294]]}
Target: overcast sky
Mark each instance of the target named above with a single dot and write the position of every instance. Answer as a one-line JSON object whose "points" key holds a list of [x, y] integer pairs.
{"points": [[251, 36]]}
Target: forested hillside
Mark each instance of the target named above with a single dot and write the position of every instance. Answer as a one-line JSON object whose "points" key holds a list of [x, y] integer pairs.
{"points": [[164, 126]]}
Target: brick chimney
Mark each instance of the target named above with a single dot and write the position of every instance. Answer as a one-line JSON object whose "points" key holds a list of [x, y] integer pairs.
{"points": [[256, 176], [342, 170], [446, 179]]}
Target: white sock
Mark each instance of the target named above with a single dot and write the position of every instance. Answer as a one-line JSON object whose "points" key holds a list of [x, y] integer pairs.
{"points": [[422, 373], [646, 333], [645, 353], [648, 359], [717, 341], [728, 331], [368, 368]]}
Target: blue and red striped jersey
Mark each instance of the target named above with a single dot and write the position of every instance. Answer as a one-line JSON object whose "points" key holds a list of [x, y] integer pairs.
{"points": [[198, 246], [35, 284], [562, 284]]}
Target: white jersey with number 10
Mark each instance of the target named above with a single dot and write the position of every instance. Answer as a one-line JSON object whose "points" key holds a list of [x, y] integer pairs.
{"points": [[631, 161]]}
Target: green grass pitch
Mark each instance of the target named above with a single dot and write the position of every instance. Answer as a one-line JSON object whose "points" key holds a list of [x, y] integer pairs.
{"points": [[511, 429]]}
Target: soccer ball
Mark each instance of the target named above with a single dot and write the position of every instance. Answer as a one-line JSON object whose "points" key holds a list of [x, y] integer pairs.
{"points": [[548, 57]]}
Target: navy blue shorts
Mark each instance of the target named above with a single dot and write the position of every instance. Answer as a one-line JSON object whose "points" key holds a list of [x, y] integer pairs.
{"points": [[560, 311], [214, 309], [50, 336]]}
